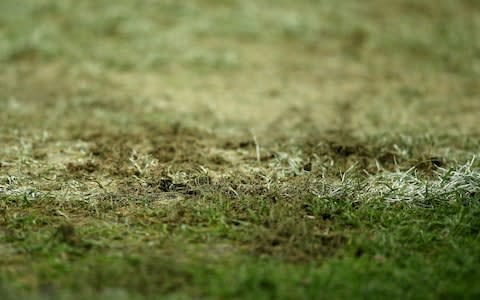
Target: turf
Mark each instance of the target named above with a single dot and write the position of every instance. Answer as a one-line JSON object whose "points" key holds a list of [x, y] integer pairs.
{"points": [[239, 149]]}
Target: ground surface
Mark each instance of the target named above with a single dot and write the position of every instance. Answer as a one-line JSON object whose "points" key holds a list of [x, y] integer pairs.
{"points": [[239, 149]]}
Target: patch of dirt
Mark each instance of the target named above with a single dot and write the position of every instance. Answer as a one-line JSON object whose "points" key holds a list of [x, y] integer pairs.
{"points": [[370, 154], [299, 248], [86, 167]]}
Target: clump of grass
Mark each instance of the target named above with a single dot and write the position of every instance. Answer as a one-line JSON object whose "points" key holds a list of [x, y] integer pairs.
{"points": [[453, 184]]}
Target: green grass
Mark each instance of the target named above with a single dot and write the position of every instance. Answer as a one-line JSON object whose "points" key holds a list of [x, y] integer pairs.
{"points": [[384, 251], [239, 149]]}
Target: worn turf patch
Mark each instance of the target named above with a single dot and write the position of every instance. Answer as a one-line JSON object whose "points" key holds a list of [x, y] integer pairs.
{"points": [[239, 149]]}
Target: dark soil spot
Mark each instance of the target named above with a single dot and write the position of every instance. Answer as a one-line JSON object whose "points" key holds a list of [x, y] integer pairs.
{"points": [[242, 144], [430, 164], [346, 150], [164, 153], [66, 234], [218, 160], [300, 248], [307, 167], [88, 167], [359, 252]]}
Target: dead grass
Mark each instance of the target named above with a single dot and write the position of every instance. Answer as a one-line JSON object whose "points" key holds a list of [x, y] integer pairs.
{"points": [[144, 149]]}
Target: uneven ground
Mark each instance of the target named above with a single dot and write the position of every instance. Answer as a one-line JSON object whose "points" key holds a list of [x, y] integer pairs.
{"points": [[239, 149]]}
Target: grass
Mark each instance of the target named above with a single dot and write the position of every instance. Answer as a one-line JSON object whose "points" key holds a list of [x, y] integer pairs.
{"points": [[239, 149]]}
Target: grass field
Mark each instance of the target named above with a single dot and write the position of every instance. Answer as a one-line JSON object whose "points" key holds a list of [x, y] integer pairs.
{"points": [[239, 149]]}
